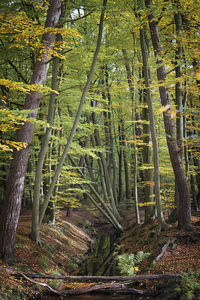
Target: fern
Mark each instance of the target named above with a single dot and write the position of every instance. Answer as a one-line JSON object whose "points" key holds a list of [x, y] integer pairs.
{"points": [[127, 263]]}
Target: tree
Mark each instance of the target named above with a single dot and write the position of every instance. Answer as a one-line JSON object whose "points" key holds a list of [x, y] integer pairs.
{"points": [[161, 221], [184, 209], [15, 183]]}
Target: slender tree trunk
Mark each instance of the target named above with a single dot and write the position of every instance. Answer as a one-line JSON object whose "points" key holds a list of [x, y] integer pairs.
{"points": [[148, 174], [126, 168], [186, 155], [101, 205], [120, 181], [136, 187], [105, 175], [112, 149], [178, 100], [161, 221], [135, 148], [194, 195], [42, 154], [147, 150], [184, 211], [78, 115], [197, 165], [15, 183], [107, 130]]}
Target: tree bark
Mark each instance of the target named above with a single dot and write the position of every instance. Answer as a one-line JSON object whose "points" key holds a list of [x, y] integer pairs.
{"points": [[178, 99], [184, 210], [15, 182]]}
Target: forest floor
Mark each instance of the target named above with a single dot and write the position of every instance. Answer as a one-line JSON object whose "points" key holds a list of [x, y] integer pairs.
{"points": [[64, 245]]}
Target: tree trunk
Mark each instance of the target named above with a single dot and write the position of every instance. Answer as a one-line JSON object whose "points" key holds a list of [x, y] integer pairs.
{"points": [[161, 221], [105, 175], [42, 154], [148, 174], [15, 183], [120, 181], [130, 79], [126, 168], [112, 149], [178, 100], [184, 211]]}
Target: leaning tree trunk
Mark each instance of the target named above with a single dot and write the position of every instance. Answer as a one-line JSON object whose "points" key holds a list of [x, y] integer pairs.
{"points": [[184, 210], [78, 116], [15, 183], [101, 204]]}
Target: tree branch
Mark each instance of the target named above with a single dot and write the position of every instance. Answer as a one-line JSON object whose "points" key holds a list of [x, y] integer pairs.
{"points": [[77, 19], [17, 71]]}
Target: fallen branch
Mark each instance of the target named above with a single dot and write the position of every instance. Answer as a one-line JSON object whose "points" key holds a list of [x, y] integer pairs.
{"points": [[43, 284], [103, 278], [164, 248]]}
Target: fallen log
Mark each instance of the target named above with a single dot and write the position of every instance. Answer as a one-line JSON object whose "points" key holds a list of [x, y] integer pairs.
{"points": [[112, 288], [102, 278]]}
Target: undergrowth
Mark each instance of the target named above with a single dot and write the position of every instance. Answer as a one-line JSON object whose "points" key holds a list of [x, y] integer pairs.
{"points": [[128, 263]]}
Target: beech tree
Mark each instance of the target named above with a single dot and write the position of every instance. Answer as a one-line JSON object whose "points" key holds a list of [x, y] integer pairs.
{"points": [[15, 183], [184, 208], [161, 221]]}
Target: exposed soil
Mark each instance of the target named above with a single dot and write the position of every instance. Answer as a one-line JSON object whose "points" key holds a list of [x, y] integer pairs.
{"points": [[64, 245]]}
